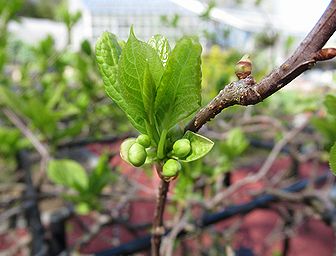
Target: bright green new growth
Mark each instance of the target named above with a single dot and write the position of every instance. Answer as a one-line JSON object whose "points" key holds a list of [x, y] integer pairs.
{"points": [[181, 148], [171, 168], [137, 154], [156, 88], [86, 186], [125, 147], [144, 140], [153, 96]]}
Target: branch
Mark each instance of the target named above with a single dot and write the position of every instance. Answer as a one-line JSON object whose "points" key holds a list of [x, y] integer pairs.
{"points": [[40, 148], [37, 144], [158, 228], [262, 171], [247, 92]]}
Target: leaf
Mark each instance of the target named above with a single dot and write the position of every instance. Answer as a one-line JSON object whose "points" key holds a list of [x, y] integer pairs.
{"points": [[161, 45], [326, 127], [108, 53], [179, 94], [330, 103], [10, 141], [123, 73], [82, 208], [235, 143], [68, 173], [332, 159], [100, 176], [149, 93], [12, 100], [200, 146], [136, 57]]}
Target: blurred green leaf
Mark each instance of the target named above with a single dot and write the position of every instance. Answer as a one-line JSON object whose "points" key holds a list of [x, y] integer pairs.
{"points": [[82, 208], [330, 103], [235, 144], [68, 173], [100, 176]]}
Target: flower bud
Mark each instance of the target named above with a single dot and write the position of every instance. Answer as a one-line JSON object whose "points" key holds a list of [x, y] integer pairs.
{"points": [[137, 154], [243, 67], [171, 168], [181, 148], [144, 140], [124, 148]]}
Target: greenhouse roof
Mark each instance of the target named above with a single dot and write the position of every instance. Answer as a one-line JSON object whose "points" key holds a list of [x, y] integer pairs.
{"points": [[160, 7]]}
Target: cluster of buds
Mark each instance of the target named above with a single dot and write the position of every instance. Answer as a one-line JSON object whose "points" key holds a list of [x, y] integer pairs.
{"points": [[138, 150]]}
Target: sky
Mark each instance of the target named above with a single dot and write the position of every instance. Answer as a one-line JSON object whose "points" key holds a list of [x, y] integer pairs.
{"points": [[300, 14]]}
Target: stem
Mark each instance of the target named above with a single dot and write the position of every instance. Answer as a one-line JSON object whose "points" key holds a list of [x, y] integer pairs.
{"points": [[161, 147], [158, 228]]}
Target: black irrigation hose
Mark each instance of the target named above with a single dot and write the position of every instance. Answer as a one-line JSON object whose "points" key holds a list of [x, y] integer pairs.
{"points": [[143, 243]]}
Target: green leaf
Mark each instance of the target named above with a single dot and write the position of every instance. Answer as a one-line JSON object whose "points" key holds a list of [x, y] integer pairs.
{"points": [[149, 93], [235, 143], [330, 103], [82, 208], [100, 176], [200, 146], [179, 94], [68, 173], [130, 75], [332, 159], [12, 100], [10, 141], [326, 127], [108, 53], [161, 45], [136, 58]]}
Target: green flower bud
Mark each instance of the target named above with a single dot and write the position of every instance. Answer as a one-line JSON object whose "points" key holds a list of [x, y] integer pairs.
{"points": [[124, 148], [137, 154], [181, 148], [171, 168], [144, 140]]}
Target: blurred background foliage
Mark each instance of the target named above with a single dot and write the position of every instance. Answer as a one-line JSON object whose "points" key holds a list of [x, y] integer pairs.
{"points": [[59, 96]]}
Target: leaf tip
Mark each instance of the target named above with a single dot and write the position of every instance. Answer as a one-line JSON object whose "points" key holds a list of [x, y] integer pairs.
{"points": [[132, 31]]}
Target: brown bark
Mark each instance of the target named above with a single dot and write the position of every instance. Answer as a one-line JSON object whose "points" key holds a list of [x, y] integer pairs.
{"points": [[247, 92], [158, 228]]}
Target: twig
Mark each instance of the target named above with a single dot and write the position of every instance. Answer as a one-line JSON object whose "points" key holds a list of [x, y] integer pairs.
{"points": [[262, 171], [247, 92], [158, 229], [39, 146], [179, 225]]}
